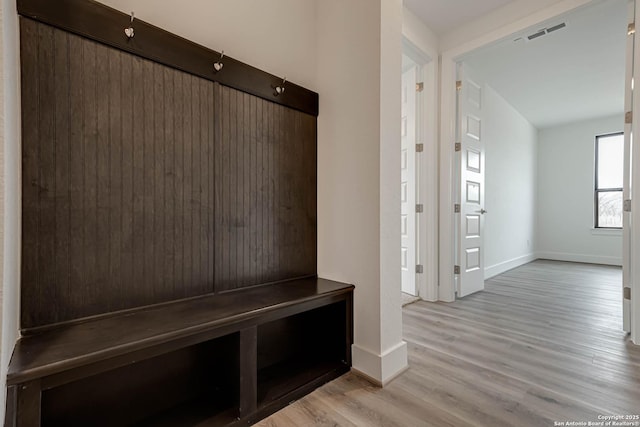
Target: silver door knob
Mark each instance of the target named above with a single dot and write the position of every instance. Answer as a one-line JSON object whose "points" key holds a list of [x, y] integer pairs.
{"points": [[482, 211]]}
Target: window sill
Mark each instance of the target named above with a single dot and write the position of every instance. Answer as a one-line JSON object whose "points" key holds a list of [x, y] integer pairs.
{"points": [[606, 231]]}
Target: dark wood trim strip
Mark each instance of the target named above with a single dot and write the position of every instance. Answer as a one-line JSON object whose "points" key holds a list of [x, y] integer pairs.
{"points": [[248, 370], [11, 410], [29, 404], [103, 24]]}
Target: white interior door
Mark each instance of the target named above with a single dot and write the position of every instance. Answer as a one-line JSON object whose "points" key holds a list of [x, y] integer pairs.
{"points": [[407, 185], [626, 187], [470, 219]]}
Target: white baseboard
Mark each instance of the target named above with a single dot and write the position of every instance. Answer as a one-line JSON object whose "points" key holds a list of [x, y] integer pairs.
{"points": [[590, 259], [499, 268], [380, 369]]}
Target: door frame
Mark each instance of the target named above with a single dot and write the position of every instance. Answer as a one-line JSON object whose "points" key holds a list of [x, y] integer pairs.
{"points": [[635, 206], [426, 165], [413, 180], [449, 58]]}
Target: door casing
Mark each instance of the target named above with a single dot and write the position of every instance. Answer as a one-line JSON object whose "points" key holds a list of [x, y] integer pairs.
{"points": [[448, 60]]}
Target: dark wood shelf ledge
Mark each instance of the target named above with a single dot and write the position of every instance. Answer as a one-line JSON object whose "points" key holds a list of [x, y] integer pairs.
{"points": [[57, 356]]}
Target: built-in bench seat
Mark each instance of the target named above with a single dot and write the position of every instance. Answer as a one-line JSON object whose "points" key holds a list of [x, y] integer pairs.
{"points": [[223, 359]]}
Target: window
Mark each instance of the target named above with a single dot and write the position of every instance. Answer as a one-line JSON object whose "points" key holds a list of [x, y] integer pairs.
{"points": [[609, 177]]}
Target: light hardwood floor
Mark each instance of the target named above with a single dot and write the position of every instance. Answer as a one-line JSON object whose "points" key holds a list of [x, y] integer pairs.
{"points": [[542, 343]]}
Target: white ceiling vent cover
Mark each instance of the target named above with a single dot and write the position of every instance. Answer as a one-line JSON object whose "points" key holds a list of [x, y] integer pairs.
{"points": [[556, 27], [536, 35], [542, 32]]}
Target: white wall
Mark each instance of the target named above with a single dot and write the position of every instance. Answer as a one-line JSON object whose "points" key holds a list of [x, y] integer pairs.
{"points": [[565, 194], [277, 36], [359, 70], [414, 30], [10, 192], [510, 181]]}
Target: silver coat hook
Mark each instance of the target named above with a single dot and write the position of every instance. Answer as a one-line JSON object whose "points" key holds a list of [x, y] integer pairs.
{"points": [[129, 31], [280, 89], [217, 66]]}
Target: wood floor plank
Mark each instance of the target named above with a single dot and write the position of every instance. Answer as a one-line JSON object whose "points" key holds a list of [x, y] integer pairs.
{"points": [[541, 343]]}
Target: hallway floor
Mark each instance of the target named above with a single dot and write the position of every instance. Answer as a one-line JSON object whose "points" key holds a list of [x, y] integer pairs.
{"points": [[542, 343]]}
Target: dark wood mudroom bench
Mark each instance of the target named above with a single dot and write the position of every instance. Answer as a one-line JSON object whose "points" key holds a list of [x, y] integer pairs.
{"points": [[224, 359], [169, 220]]}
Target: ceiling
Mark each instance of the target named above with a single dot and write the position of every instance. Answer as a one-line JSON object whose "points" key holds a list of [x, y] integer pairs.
{"points": [[575, 73], [443, 15]]}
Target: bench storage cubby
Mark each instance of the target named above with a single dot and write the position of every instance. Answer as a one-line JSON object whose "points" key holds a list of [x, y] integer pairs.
{"points": [[208, 360]]}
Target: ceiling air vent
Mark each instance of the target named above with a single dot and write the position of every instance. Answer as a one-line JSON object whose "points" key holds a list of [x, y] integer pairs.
{"points": [[556, 27], [536, 35], [542, 32]]}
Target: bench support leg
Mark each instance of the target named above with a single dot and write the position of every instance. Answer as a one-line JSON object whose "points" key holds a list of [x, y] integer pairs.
{"points": [[248, 371], [28, 404]]}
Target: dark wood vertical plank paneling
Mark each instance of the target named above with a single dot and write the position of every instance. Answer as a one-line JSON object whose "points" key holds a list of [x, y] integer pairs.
{"points": [[311, 149], [137, 287], [229, 125], [266, 177], [158, 279], [179, 105], [266, 192], [226, 193], [149, 187], [298, 196], [285, 152], [212, 98], [273, 217], [69, 308], [126, 114], [286, 230], [47, 163], [216, 177], [30, 170], [266, 216], [142, 184], [274, 172], [103, 285], [221, 179], [61, 77], [233, 185], [295, 198], [206, 96], [253, 200], [188, 184], [303, 170], [259, 171], [195, 201], [247, 125], [273, 189], [289, 233], [204, 186], [239, 173], [168, 229], [90, 202], [114, 153]]}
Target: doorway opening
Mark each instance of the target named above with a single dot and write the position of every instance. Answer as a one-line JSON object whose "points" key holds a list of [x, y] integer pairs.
{"points": [[538, 100]]}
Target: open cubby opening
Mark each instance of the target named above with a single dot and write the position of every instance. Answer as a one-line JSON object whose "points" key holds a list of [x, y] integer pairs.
{"points": [[299, 349], [183, 387]]}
